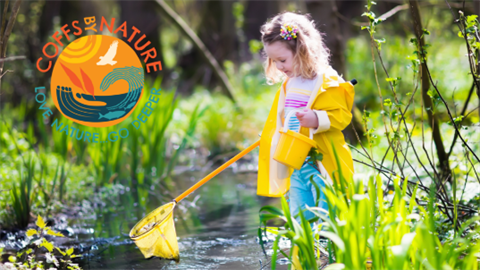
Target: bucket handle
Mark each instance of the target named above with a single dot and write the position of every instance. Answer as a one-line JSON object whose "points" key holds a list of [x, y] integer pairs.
{"points": [[287, 120]]}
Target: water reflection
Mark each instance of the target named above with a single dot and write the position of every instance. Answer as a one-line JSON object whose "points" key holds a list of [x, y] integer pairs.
{"points": [[216, 226]]}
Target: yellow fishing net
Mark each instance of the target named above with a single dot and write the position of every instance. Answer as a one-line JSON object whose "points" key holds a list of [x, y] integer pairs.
{"points": [[155, 234]]}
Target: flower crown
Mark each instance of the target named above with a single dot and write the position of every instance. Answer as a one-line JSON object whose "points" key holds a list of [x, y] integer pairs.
{"points": [[288, 32]]}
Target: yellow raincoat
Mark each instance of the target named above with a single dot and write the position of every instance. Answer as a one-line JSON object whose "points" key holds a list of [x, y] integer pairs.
{"points": [[335, 97]]}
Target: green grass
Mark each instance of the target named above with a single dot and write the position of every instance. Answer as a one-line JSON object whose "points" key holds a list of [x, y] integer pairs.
{"points": [[42, 171]]}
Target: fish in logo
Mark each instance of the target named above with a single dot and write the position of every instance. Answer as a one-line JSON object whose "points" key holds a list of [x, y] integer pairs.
{"points": [[111, 115], [81, 85]]}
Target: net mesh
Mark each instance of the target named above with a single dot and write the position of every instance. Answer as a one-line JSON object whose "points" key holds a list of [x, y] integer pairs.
{"points": [[155, 234]]}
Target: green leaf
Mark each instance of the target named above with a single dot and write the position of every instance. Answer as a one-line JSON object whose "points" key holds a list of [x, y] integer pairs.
{"points": [[40, 223], [255, 46], [387, 102], [314, 155], [267, 217], [379, 43], [335, 239], [471, 18], [370, 15], [271, 209], [335, 266], [460, 34], [275, 250], [458, 119]]}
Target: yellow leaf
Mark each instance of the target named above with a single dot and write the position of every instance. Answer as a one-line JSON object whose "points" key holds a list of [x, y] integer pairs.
{"points": [[54, 233], [47, 245], [61, 252], [31, 232], [40, 223], [70, 251]]}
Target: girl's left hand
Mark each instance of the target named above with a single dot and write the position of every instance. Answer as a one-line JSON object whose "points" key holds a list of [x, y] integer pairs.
{"points": [[307, 118]]}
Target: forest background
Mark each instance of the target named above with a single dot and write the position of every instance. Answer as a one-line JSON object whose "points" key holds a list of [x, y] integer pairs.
{"points": [[416, 113]]}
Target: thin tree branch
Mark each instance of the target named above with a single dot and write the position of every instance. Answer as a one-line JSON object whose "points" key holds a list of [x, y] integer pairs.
{"points": [[432, 118], [8, 30], [450, 115], [12, 58], [4, 16], [6, 71], [384, 171], [11, 22], [171, 14], [464, 109]]}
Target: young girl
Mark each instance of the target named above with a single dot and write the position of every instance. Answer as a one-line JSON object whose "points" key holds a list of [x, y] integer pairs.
{"points": [[295, 52]]}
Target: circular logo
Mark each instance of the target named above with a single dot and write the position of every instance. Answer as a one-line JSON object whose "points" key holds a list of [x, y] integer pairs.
{"points": [[97, 81]]}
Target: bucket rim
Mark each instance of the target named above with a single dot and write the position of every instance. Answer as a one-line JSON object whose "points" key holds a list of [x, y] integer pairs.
{"points": [[300, 137]]}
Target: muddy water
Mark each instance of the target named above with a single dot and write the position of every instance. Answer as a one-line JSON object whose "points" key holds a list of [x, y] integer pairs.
{"points": [[216, 226]]}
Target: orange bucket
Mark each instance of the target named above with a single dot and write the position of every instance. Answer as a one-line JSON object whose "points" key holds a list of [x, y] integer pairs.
{"points": [[293, 147]]}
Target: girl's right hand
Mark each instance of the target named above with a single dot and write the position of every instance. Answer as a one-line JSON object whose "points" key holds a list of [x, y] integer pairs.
{"points": [[307, 118]]}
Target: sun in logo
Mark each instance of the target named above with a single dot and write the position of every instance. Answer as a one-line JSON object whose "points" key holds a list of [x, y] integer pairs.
{"points": [[97, 81]]}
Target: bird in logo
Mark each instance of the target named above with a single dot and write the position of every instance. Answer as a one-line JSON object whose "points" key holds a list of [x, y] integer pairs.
{"points": [[108, 57]]}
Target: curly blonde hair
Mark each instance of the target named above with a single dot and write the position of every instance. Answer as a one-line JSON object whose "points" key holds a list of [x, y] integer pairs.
{"points": [[309, 50]]}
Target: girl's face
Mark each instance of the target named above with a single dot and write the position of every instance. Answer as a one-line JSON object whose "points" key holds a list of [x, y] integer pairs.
{"points": [[281, 56]]}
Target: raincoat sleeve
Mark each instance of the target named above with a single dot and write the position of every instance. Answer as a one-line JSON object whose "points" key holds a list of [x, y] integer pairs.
{"points": [[323, 121], [333, 107]]}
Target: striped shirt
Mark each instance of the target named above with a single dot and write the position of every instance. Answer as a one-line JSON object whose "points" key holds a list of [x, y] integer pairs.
{"points": [[298, 94]]}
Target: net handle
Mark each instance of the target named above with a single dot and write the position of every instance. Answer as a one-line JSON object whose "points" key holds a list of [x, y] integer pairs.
{"points": [[217, 171]]}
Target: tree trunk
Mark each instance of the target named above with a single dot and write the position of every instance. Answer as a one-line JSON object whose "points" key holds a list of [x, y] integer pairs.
{"points": [[212, 46], [477, 12], [200, 48], [255, 17], [144, 15], [6, 30], [427, 101], [337, 32]]}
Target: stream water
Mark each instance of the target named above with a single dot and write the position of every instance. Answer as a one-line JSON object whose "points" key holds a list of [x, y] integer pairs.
{"points": [[216, 226]]}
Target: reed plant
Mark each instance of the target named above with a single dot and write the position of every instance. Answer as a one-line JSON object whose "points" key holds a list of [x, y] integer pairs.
{"points": [[367, 228], [370, 231], [302, 250], [392, 234], [23, 194], [34, 180]]}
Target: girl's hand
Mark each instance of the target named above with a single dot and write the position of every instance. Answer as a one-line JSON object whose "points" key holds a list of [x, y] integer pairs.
{"points": [[307, 118]]}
